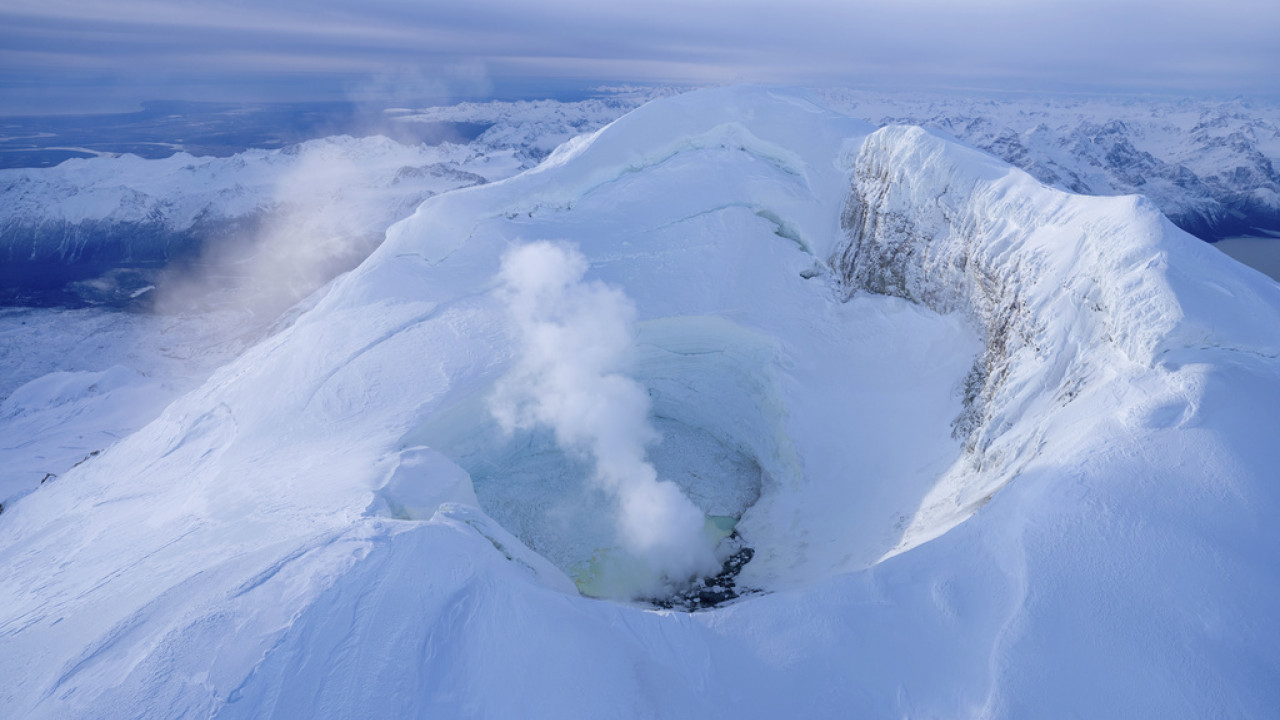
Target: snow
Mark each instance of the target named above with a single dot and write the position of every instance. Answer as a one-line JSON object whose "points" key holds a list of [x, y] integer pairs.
{"points": [[1063, 285], [181, 189], [369, 181], [76, 381], [1001, 451], [1208, 164], [533, 129]]}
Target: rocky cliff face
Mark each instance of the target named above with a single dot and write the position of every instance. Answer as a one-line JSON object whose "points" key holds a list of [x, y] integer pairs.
{"points": [[1059, 286]]}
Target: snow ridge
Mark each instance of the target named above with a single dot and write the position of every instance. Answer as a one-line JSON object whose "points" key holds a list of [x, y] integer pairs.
{"points": [[1212, 166], [1063, 287]]}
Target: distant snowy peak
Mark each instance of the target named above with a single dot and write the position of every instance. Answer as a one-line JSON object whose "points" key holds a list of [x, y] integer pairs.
{"points": [[90, 219], [1210, 166], [534, 128], [181, 190]]}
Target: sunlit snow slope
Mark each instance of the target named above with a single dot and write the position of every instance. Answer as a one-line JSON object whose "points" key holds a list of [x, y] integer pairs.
{"points": [[879, 339]]}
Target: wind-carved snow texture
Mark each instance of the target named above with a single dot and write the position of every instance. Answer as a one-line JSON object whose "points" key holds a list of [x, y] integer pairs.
{"points": [[573, 336]]}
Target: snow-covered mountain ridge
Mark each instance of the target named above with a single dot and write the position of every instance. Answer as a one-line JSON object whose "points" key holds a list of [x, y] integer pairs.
{"points": [[533, 129], [99, 230], [1211, 166], [335, 196], [335, 524], [1065, 289]]}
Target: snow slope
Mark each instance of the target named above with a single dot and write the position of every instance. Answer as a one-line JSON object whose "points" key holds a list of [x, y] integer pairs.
{"points": [[220, 246], [1210, 165], [889, 338], [73, 382]]}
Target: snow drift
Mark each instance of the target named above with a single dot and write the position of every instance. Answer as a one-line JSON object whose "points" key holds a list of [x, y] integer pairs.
{"points": [[877, 338]]}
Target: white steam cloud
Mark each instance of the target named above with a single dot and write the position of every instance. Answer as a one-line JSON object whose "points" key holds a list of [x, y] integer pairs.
{"points": [[574, 335], [312, 227]]}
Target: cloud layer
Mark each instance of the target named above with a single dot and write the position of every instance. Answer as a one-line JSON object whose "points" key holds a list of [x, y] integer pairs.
{"points": [[286, 47]]}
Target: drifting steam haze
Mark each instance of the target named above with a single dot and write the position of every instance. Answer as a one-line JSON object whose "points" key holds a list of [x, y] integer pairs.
{"points": [[573, 335], [322, 217]]}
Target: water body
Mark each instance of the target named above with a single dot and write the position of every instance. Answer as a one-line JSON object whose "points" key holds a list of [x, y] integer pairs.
{"points": [[1259, 253], [220, 129]]}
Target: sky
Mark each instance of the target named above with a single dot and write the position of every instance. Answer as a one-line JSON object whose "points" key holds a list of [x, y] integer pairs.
{"points": [[86, 55]]}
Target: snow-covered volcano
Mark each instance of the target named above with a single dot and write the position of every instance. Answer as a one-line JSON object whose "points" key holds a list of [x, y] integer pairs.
{"points": [[999, 451]]}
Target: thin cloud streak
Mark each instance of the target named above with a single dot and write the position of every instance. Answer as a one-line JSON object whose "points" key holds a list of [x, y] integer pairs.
{"points": [[1173, 45]]}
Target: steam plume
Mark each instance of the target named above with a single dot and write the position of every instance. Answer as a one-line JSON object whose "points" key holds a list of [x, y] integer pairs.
{"points": [[311, 228], [573, 336]]}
